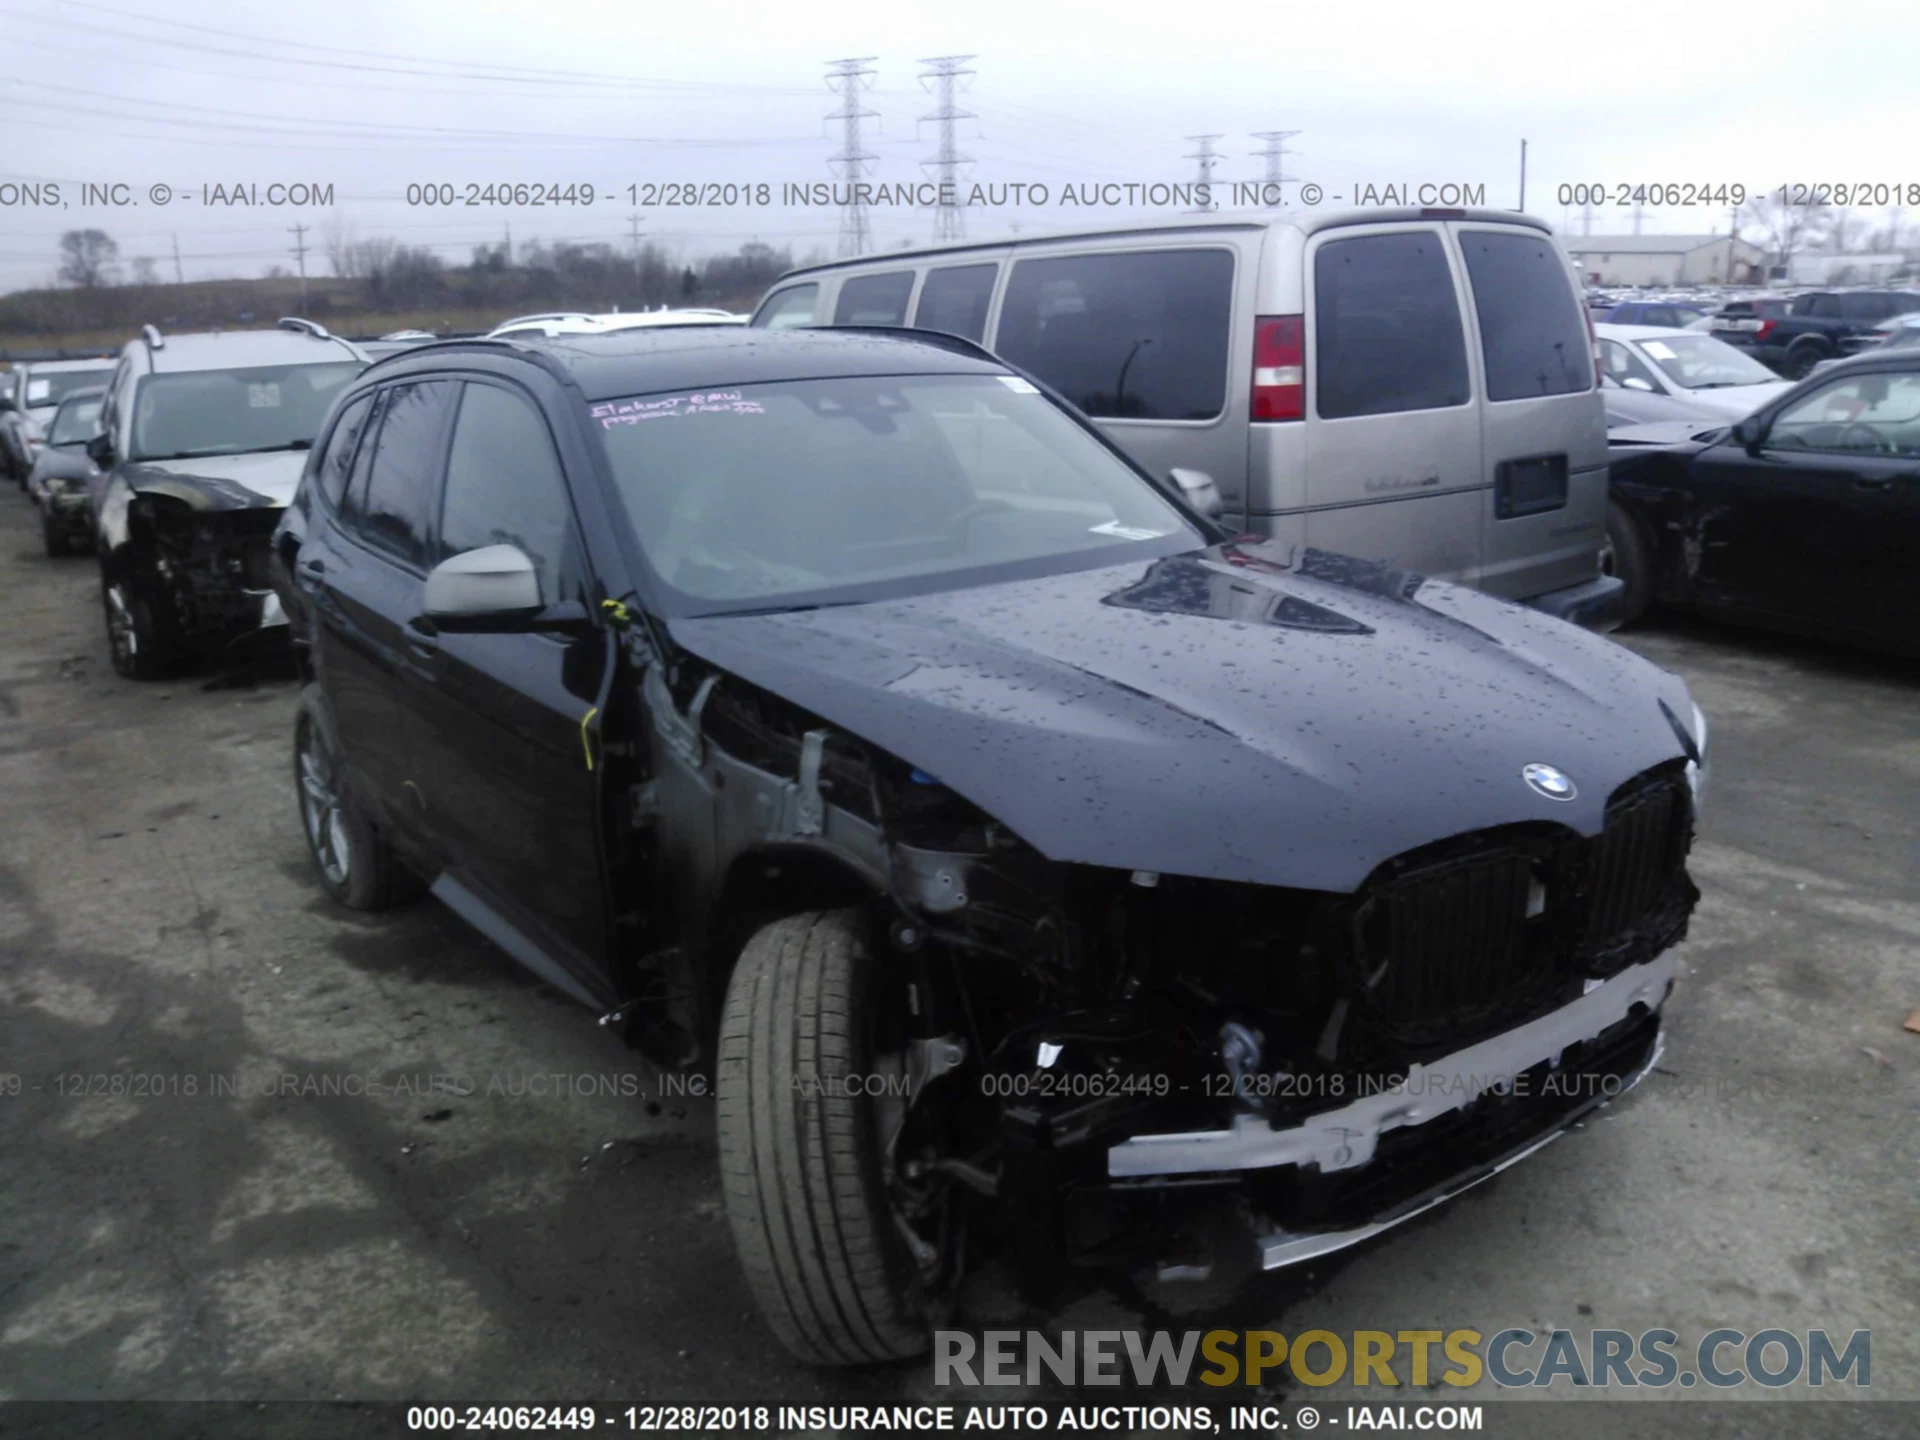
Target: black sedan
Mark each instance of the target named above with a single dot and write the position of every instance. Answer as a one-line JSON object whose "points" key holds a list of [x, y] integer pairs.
{"points": [[1805, 516]]}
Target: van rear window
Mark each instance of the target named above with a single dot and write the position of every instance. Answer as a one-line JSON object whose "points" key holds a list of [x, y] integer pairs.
{"points": [[1386, 327], [1530, 327], [1134, 336]]}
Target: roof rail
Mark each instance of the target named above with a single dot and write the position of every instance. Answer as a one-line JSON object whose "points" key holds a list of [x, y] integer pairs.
{"points": [[305, 327], [151, 334]]}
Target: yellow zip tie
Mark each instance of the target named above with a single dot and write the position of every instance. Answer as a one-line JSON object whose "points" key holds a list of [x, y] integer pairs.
{"points": [[618, 610], [585, 743]]}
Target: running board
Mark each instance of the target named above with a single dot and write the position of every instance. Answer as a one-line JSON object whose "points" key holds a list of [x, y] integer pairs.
{"points": [[484, 918]]}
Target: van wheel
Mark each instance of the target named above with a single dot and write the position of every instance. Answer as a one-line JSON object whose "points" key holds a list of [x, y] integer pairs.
{"points": [[825, 1250], [356, 867], [141, 643], [1626, 556]]}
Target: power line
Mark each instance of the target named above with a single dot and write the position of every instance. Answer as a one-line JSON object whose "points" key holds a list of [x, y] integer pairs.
{"points": [[847, 78], [1275, 154], [949, 223], [1204, 159]]}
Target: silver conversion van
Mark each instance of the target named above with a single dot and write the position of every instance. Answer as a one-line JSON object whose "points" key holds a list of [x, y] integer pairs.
{"points": [[1408, 385]]}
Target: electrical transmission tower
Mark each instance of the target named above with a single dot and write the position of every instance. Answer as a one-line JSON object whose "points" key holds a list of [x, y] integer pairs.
{"points": [[847, 78], [1275, 154], [1204, 159], [948, 222]]}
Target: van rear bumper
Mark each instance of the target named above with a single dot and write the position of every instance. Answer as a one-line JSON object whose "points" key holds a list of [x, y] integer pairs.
{"points": [[1597, 604]]}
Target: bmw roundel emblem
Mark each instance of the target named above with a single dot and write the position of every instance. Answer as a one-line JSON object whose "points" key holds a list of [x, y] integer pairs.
{"points": [[1546, 781]]}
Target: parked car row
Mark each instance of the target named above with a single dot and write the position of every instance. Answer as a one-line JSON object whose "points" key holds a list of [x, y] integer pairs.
{"points": [[977, 761]]}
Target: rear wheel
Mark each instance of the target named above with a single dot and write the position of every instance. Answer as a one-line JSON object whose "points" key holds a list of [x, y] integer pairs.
{"points": [[355, 865], [139, 636], [1626, 556], [1801, 360], [846, 1262]]}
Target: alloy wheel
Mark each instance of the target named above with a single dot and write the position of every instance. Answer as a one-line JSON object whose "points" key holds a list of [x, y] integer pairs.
{"points": [[323, 808]]}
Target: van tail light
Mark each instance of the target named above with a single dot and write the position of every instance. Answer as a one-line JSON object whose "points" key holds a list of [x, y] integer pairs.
{"points": [[1280, 367]]}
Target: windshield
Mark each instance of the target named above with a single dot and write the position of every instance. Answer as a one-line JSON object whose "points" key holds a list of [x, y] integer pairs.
{"points": [[225, 412], [1701, 362], [831, 491], [76, 423], [50, 387]]}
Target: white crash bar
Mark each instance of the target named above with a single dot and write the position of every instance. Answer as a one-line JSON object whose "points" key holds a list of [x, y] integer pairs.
{"points": [[1344, 1138]]}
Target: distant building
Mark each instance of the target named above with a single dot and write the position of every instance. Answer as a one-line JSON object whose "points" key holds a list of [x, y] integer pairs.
{"points": [[1666, 259], [1824, 268]]}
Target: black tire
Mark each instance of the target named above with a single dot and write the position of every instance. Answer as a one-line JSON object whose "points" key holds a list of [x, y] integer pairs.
{"points": [[1628, 556], [1801, 360], [53, 537], [801, 1164], [356, 867], [141, 638]]}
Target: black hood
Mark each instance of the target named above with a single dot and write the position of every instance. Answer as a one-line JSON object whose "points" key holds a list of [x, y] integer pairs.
{"points": [[1239, 713]]}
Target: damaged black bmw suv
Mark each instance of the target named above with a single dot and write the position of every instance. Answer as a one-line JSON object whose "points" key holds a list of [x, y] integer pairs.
{"points": [[845, 717]]}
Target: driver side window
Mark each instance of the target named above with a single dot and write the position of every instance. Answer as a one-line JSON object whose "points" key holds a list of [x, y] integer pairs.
{"points": [[1866, 415]]}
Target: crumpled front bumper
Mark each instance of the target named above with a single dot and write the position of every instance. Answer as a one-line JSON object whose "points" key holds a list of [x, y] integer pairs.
{"points": [[1386, 1156]]}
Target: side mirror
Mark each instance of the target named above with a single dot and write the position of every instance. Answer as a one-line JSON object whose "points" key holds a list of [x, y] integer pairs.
{"points": [[100, 450], [493, 588], [1200, 492], [1634, 382], [1751, 433]]}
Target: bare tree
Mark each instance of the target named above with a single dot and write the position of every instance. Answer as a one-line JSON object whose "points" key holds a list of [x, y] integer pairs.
{"points": [[336, 239], [1842, 229], [1782, 230], [89, 259], [145, 272]]}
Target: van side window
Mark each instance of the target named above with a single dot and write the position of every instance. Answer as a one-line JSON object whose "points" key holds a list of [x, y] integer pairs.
{"points": [[1531, 332], [874, 299], [1139, 336], [954, 300], [1387, 327], [786, 309]]}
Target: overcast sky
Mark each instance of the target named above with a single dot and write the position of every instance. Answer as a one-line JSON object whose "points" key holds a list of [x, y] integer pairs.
{"points": [[370, 95]]}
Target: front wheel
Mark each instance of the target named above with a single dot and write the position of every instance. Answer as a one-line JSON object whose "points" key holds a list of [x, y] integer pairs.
{"points": [[841, 1275], [141, 644], [1626, 556]]}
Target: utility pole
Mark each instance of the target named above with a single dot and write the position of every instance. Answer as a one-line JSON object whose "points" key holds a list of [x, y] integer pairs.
{"points": [[507, 230], [1523, 177], [633, 227], [1203, 159], [1636, 217], [178, 279], [1275, 154], [948, 222], [299, 233], [847, 78]]}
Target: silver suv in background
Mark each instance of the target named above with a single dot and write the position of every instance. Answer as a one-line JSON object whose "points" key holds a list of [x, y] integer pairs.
{"points": [[1411, 385]]}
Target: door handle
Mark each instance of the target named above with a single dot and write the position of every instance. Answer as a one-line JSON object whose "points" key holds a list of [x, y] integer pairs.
{"points": [[314, 567]]}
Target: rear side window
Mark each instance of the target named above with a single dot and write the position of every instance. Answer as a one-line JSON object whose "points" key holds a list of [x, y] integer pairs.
{"points": [[1531, 332], [1139, 336], [874, 299], [393, 497], [1823, 307], [336, 466], [504, 484], [786, 309], [954, 300], [1387, 332], [1869, 308]]}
